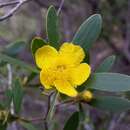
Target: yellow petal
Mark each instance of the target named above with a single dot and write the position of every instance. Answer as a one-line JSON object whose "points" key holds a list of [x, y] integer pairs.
{"points": [[45, 79], [65, 87], [80, 74], [44, 56], [71, 52]]}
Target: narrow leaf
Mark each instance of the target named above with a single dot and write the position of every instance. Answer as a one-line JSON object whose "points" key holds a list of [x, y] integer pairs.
{"points": [[52, 27], [73, 122], [88, 32], [112, 82], [111, 103], [37, 42], [9, 96], [17, 62], [106, 64], [14, 48], [7, 102], [17, 95]]}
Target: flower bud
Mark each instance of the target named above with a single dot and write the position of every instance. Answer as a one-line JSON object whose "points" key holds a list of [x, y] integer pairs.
{"points": [[86, 96], [2, 115]]}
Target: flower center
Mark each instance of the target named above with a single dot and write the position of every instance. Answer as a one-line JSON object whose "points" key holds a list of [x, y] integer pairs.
{"points": [[61, 68], [60, 72]]}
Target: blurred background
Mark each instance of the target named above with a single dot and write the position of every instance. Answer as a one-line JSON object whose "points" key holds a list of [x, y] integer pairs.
{"points": [[29, 21]]}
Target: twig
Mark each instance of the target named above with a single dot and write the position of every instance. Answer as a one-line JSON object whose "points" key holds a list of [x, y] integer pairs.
{"points": [[48, 105], [8, 3], [11, 12], [48, 108], [10, 85], [31, 119], [66, 102], [60, 7], [10, 77], [112, 124], [52, 106], [45, 4], [121, 117]]}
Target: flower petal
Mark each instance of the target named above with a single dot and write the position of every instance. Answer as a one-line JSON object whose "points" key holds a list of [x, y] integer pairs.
{"points": [[65, 87], [73, 53], [45, 55], [80, 74], [45, 79]]}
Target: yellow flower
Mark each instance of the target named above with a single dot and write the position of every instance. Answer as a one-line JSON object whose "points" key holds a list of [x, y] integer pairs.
{"points": [[62, 69]]}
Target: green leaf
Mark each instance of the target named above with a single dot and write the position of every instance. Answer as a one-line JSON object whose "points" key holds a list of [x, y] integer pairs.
{"points": [[3, 126], [73, 122], [6, 104], [37, 42], [9, 96], [87, 58], [106, 64], [14, 48], [82, 114], [17, 95], [17, 62], [112, 82], [111, 103], [3, 63], [88, 32], [28, 126], [31, 77], [52, 27], [2, 106]]}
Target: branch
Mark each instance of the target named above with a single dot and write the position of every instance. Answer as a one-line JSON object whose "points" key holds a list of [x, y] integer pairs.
{"points": [[45, 4], [70, 101], [10, 78], [8, 3], [60, 7], [48, 108], [11, 12]]}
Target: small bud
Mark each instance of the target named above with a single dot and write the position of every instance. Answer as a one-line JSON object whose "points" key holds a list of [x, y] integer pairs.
{"points": [[2, 115], [25, 79], [86, 96]]}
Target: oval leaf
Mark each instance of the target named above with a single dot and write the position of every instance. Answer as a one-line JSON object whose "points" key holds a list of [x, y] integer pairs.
{"points": [[52, 27], [73, 122], [88, 32], [17, 95], [112, 82], [106, 64], [111, 103], [37, 42]]}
